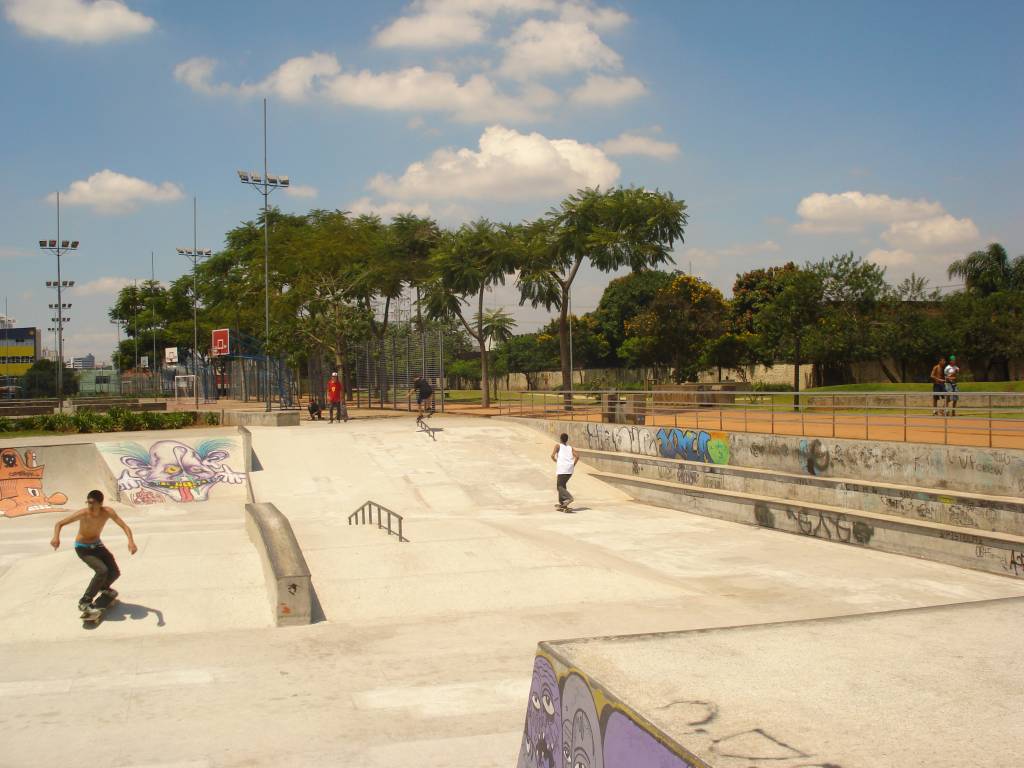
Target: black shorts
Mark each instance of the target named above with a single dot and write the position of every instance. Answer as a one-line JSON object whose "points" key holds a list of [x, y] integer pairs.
{"points": [[939, 388], [421, 397]]}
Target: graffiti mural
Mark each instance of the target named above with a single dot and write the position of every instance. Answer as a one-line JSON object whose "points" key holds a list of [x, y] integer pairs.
{"points": [[170, 470], [21, 485], [571, 724], [694, 445]]}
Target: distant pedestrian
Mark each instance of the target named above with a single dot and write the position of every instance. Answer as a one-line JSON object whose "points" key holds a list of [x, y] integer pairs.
{"points": [[335, 404], [565, 458], [952, 374], [938, 377], [316, 411]]}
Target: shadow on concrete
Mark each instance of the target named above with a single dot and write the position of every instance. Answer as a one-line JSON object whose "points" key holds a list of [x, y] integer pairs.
{"points": [[257, 466], [130, 612], [316, 610]]}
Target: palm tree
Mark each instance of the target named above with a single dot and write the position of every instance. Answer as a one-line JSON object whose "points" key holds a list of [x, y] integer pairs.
{"points": [[497, 327], [989, 271]]}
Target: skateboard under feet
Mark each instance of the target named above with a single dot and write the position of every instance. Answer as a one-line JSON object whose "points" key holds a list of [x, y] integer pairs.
{"points": [[94, 613]]}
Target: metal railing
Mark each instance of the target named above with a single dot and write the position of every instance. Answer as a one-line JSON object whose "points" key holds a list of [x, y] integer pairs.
{"points": [[992, 419], [364, 516]]}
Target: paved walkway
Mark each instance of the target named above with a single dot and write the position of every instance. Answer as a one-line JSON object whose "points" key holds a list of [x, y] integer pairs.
{"points": [[426, 653]]}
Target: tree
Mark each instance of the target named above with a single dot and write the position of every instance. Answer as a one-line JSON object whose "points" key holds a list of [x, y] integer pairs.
{"points": [[530, 353], [621, 227], [676, 328], [623, 299], [989, 271], [912, 332], [849, 328], [794, 313], [467, 263], [41, 380], [753, 290], [497, 327]]}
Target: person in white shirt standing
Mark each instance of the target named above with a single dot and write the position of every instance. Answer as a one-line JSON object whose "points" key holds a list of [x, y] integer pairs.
{"points": [[951, 374], [565, 458]]}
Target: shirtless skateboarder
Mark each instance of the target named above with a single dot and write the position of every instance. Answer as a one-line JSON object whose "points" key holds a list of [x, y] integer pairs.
{"points": [[90, 549]]}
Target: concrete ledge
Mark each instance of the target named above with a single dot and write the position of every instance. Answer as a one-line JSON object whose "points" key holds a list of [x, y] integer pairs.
{"points": [[998, 553], [289, 585], [259, 418]]}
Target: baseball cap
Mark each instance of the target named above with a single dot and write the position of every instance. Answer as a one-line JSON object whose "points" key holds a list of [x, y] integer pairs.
{"points": [[952, 357], [335, 373]]}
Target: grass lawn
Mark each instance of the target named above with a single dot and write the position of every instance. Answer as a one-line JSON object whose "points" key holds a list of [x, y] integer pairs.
{"points": [[965, 386]]}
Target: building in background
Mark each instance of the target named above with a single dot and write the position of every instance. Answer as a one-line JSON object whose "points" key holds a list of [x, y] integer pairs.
{"points": [[99, 381], [84, 363], [19, 348]]}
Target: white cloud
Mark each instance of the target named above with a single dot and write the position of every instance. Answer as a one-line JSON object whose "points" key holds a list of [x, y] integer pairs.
{"points": [[432, 30], [634, 144], [893, 258], [12, 252], [602, 91], [602, 19], [302, 190], [76, 21], [508, 166], [555, 47], [446, 23], [112, 193], [387, 210], [709, 256], [102, 286], [852, 211], [319, 76], [932, 234], [296, 79]]}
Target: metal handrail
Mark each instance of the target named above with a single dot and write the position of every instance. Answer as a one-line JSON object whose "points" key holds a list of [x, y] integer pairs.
{"points": [[364, 515]]}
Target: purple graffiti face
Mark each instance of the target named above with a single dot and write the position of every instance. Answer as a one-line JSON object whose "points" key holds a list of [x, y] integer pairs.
{"points": [[542, 736], [177, 470], [581, 734], [627, 744]]}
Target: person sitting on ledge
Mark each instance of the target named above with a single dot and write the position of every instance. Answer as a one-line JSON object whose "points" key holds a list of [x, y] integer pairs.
{"points": [[315, 411]]}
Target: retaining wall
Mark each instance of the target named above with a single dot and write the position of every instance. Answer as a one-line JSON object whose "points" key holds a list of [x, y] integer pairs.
{"points": [[954, 467], [568, 712]]}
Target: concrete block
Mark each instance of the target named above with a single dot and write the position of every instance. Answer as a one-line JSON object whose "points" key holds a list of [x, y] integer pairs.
{"points": [[289, 585], [259, 418]]}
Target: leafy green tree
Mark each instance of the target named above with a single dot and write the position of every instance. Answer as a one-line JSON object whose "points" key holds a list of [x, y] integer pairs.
{"points": [[41, 380], [849, 329], [674, 330], [790, 317], [753, 290], [467, 263], [610, 230], [530, 353], [912, 331], [623, 299], [989, 271], [986, 330]]}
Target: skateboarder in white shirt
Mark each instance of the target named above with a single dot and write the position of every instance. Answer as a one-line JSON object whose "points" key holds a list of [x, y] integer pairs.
{"points": [[565, 458]]}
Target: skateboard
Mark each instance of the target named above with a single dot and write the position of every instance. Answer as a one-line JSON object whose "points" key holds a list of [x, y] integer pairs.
{"points": [[422, 425], [94, 614], [564, 507]]}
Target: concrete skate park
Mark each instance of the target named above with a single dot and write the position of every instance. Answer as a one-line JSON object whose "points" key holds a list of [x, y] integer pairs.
{"points": [[717, 598]]}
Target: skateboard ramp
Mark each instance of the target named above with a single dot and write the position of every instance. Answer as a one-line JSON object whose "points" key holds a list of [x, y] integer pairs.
{"points": [[47, 478]]}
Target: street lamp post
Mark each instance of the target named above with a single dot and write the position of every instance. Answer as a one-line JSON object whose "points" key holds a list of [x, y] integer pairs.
{"points": [[59, 248], [265, 185], [195, 253]]}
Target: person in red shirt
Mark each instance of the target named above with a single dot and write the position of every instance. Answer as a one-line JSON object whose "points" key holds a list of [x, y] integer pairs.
{"points": [[334, 403]]}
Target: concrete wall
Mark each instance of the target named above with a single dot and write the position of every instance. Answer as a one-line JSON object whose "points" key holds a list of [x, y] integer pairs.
{"points": [[961, 468], [259, 418], [570, 713], [49, 478], [189, 469]]}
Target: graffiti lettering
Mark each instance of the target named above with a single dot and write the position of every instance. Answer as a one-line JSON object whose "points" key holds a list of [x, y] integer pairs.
{"points": [[959, 516], [826, 525], [966, 538], [694, 445], [1016, 564]]}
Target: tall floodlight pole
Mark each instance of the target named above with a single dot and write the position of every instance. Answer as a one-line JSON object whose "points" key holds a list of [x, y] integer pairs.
{"points": [[59, 248], [265, 185], [195, 253], [152, 309]]}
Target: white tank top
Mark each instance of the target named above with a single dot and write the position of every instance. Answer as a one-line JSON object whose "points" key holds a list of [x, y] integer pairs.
{"points": [[565, 462]]}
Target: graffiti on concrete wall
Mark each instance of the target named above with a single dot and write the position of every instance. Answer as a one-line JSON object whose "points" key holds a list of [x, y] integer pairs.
{"points": [[694, 445], [570, 723], [605, 437], [831, 526], [21, 485], [170, 470]]}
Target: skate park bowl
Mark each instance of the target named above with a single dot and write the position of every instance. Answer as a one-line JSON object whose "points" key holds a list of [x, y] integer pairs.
{"points": [[429, 645]]}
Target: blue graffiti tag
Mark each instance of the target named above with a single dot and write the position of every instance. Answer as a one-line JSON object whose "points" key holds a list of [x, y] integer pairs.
{"points": [[689, 444]]}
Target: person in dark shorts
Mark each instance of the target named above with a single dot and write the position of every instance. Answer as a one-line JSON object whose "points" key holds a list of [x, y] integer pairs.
{"points": [[938, 378], [90, 549], [951, 373], [316, 412], [424, 394]]}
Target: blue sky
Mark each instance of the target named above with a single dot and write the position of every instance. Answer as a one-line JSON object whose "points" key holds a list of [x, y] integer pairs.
{"points": [[794, 130]]}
